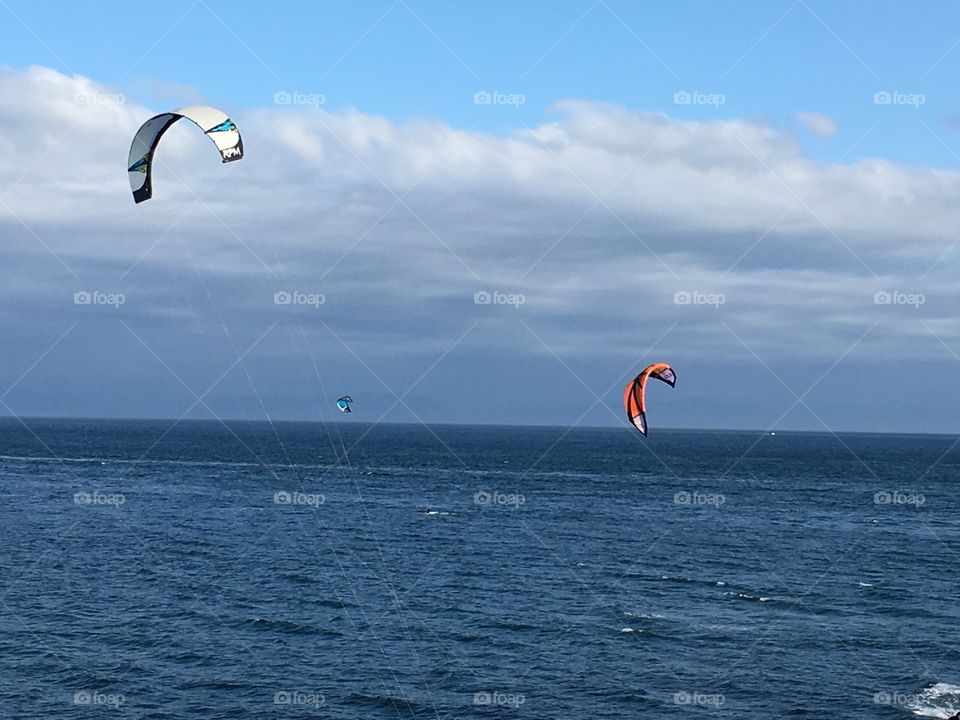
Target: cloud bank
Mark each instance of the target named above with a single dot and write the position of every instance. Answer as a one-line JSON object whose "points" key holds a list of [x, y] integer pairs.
{"points": [[516, 278]]}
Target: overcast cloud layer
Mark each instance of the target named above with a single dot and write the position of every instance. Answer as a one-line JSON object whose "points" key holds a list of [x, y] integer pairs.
{"points": [[786, 292]]}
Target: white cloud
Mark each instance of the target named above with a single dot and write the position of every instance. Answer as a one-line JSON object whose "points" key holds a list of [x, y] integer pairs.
{"points": [[818, 124], [598, 216]]}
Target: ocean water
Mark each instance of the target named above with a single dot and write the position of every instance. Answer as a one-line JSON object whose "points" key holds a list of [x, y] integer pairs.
{"points": [[356, 571]]}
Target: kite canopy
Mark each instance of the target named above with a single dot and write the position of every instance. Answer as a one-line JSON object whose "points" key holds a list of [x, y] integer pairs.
{"points": [[634, 399], [344, 403], [214, 123]]}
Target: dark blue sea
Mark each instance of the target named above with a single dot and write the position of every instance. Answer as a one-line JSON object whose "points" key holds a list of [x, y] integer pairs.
{"points": [[356, 571]]}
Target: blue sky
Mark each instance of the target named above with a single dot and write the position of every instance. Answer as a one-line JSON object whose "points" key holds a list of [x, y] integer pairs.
{"points": [[736, 154], [769, 59]]}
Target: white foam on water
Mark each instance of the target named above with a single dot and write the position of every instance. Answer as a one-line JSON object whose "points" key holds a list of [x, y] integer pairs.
{"points": [[941, 700], [747, 596], [643, 616]]}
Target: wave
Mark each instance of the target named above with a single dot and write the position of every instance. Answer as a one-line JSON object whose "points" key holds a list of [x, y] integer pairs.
{"points": [[334, 603], [677, 578], [940, 700], [391, 702], [299, 578], [672, 579], [216, 685], [509, 625], [750, 598], [469, 637], [288, 627]]}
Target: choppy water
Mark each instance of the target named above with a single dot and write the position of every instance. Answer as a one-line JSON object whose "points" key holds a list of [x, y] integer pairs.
{"points": [[253, 572]]}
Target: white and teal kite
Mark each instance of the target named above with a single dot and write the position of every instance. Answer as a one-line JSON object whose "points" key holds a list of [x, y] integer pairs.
{"points": [[214, 123]]}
